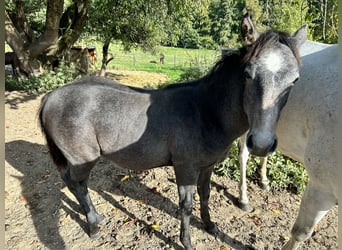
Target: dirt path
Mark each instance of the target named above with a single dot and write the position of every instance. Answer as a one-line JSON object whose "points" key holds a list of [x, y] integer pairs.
{"points": [[142, 210]]}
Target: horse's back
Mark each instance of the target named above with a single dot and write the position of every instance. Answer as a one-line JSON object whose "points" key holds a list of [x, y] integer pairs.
{"points": [[91, 112], [123, 123]]}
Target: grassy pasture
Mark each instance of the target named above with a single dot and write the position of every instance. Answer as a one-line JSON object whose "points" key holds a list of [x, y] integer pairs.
{"points": [[176, 60]]}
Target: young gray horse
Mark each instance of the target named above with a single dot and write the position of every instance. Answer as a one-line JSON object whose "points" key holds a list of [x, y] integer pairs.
{"points": [[306, 133], [189, 126]]}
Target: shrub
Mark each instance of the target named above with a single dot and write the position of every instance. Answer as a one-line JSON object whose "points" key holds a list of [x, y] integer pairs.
{"points": [[283, 172], [192, 73], [46, 81]]}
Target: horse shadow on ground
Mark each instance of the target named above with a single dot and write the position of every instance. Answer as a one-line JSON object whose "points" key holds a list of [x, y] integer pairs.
{"points": [[15, 100], [42, 185]]}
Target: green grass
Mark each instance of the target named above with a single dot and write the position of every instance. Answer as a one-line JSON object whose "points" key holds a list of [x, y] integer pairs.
{"points": [[176, 61]]}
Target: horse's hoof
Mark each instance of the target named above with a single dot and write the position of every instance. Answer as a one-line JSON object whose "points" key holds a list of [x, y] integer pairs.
{"points": [[212, 229], [94, 231], [95, 235], [101, 220], [246, 207], [266, 187]]}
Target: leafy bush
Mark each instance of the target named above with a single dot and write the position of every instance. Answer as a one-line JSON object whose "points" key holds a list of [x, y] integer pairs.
{"points": [[283, 172], [46, 81], [192, 73]]}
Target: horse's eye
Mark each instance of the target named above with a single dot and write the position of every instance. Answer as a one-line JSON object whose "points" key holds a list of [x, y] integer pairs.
{"points": [[295, 80]]}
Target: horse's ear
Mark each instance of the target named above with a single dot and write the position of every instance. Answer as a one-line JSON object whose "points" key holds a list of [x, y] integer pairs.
{"points": [[300, 36], [248, 31]]}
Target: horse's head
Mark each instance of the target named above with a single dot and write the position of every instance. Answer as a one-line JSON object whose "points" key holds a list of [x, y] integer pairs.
{"points": [[271, 68]]}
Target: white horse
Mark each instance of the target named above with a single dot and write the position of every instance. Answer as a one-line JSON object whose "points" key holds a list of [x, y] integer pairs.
{"points": [[306, 132]]}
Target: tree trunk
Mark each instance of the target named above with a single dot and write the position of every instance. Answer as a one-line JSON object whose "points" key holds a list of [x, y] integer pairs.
{"points": [[49, 38], [17, 43], [20, 21], [105, 59], [31, 52], [74, 31]]}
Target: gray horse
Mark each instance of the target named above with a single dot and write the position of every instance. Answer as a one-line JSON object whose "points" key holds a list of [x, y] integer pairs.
{"points": [[190, 126]]}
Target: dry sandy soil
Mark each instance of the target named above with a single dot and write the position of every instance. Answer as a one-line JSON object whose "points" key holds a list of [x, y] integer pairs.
{"points": [[141, 209]]}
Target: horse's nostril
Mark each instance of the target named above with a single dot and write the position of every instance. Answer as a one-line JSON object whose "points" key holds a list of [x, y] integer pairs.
{"points": [[274, 146], [249, 142]]}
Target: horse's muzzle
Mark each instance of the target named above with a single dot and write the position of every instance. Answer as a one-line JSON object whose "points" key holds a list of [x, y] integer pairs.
{"points": [[261, 147]]}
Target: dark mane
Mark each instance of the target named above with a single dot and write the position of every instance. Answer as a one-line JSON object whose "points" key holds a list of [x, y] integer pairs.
{"points": [[228, 62], [269, 38]]}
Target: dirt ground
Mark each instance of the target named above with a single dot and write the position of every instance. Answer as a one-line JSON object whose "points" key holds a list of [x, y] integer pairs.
{"points": [[141, 209]]}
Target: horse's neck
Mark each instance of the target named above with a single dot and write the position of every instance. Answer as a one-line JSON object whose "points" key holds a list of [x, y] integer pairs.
{"points": [[224, 100]]}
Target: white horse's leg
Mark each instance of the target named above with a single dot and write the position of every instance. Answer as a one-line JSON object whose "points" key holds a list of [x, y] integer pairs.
{"points": [[263, 174], [316, 202], [243, 157]]}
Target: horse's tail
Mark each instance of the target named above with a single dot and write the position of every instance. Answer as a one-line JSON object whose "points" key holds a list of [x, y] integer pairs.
{"points": [[55, 153]]}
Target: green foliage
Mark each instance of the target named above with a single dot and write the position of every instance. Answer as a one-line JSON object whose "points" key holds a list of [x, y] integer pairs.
{"points": [[225, 18], [190, 74], [286, 173], [321, 16], [35, 11], [139, 23], [45, 82], [283, 172], [323, 20]]}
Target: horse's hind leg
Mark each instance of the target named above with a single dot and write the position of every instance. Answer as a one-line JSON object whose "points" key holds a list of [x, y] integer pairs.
{"points": [[316, 202], [203, 188], [76, 178]]}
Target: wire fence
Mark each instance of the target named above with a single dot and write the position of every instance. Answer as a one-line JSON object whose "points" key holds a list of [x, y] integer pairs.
{"points": [[177, 59]]}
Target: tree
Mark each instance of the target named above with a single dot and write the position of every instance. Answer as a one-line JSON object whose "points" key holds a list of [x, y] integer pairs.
{"points": [[38, 46], [321, 16], [323, 20], [225, 19], [138, 23]]}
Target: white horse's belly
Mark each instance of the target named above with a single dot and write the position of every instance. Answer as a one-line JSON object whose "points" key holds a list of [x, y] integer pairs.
{"points": [[292, 138]]}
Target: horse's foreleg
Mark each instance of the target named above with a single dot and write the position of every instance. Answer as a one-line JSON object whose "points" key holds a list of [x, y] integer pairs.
{"points": [[77, 184], [265, 183], [243, 157], [316, 202], [203, 188], [185, 203]]}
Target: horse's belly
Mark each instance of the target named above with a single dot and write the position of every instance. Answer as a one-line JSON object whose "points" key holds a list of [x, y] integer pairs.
{"points": [[292, 140], [140, 157]]}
